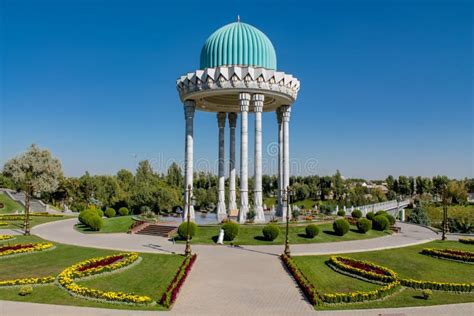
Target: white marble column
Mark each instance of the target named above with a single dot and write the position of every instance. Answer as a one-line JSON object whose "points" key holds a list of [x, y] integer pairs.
{"points": [[286, 111], [279, 210], [189, 109], [232, 198], [244, 99], [257, 193], [221, 209]]}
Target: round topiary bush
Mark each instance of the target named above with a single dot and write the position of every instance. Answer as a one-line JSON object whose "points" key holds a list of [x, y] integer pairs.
{"points": [[340, 226], [271, 232], [380, 222], [341, 213], [364, 225], [95, 222], [356, 213], [110, 212], [231, 230], [312, 230], [391, 219], [123, 211], [84, 215], [370, 215], [381, 213], [183, 230]]}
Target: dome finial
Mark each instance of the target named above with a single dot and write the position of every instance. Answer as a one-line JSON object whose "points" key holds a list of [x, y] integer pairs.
{"points": [[238, 18]]}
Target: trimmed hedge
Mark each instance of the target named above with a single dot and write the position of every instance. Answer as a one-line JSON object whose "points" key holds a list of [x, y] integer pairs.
{"points": [[95, 222], [341, 213], [123, 211], [370, 215], [271, 232], [312, 230], [110, 212], [183, 230], [340, 226], [380, 222], [356, 213], [381, 213], [391, 219], [231, 230], [469, 241], [364, 225], [99, 212]]}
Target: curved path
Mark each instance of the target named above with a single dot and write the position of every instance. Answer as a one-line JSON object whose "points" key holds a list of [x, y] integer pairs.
{"points": [[239, 280]]}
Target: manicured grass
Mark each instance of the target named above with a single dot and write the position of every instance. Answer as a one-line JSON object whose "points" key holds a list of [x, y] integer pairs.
{"points": [[34, 220], [407, 262], [150, 277], [10, 206], [252, 235], [119, 224]]}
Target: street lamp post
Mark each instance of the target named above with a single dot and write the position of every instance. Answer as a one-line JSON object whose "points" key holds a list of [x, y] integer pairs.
{"points": [[445, 212], [287, 199], [189, 199]]}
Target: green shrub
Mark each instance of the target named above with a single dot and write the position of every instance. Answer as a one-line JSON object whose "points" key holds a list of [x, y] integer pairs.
{"points": [[340, 226], [381, 213], [25, 290], [251, 215], [370, 215], [95, 222], [312, 230], [84, 214], [99, 212], [356, 213], [183, 230], [391, 219], [364, 225], [426, 293], [380, 222], [341, 213], [271, 232], [110, 212], [231, 230], [123, 211]]}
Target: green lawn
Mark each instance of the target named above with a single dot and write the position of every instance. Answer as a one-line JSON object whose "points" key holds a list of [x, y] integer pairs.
{"points": [[119, 224], [252, 235], [10, 206], [407, 262], [34, 220], [150, 277]]}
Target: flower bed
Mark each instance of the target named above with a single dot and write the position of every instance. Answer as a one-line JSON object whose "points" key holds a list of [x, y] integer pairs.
{"points": [[169, 296], [29, 281], [3, 223], [331, 298], [451, 254], [438, 286], [469, 241], [23, 248], [21, 217], [364, 269], [97, 266], [6, 237]]}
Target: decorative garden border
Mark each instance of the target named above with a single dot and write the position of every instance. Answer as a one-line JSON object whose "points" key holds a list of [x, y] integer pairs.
{"points": [[27, 281], [99, 266], [6, 237], [450, 254], [169, 296], [469, 241], [28, 249]]}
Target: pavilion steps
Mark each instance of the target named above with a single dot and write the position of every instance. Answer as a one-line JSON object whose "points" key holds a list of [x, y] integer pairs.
{"points": [[158, 230]]}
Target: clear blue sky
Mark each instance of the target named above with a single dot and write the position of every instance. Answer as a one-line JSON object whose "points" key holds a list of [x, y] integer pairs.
{"points": [[386, 86]]}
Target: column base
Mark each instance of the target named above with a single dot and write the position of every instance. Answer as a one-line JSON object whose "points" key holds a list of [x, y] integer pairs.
{"points": [[185, 214], [259, 214], [244, 209], [221, 211]]}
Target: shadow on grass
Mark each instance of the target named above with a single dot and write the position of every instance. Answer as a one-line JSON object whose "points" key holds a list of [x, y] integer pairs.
{"points": [[215, 238], [330, 232], [261, 238], [84, 228], [356, 231], [303, 235], [420, 297]]}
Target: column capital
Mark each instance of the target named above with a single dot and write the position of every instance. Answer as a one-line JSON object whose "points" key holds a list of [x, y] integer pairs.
{"points": [[286, 113], [244, 96], [221, 116], [232, 120], [258, 102], [189, 109], [244, 100]]}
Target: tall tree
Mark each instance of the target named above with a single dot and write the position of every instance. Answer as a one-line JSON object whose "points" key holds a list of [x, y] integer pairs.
{"points": [[174, 175], [34, 172], [338, 186]]}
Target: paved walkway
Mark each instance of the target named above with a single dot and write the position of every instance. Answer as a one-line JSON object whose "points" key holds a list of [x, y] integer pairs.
{"points": [[228, 280]]}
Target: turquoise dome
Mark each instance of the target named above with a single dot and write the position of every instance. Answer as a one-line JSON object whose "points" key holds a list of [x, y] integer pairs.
{"points": [[238, 44]]}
